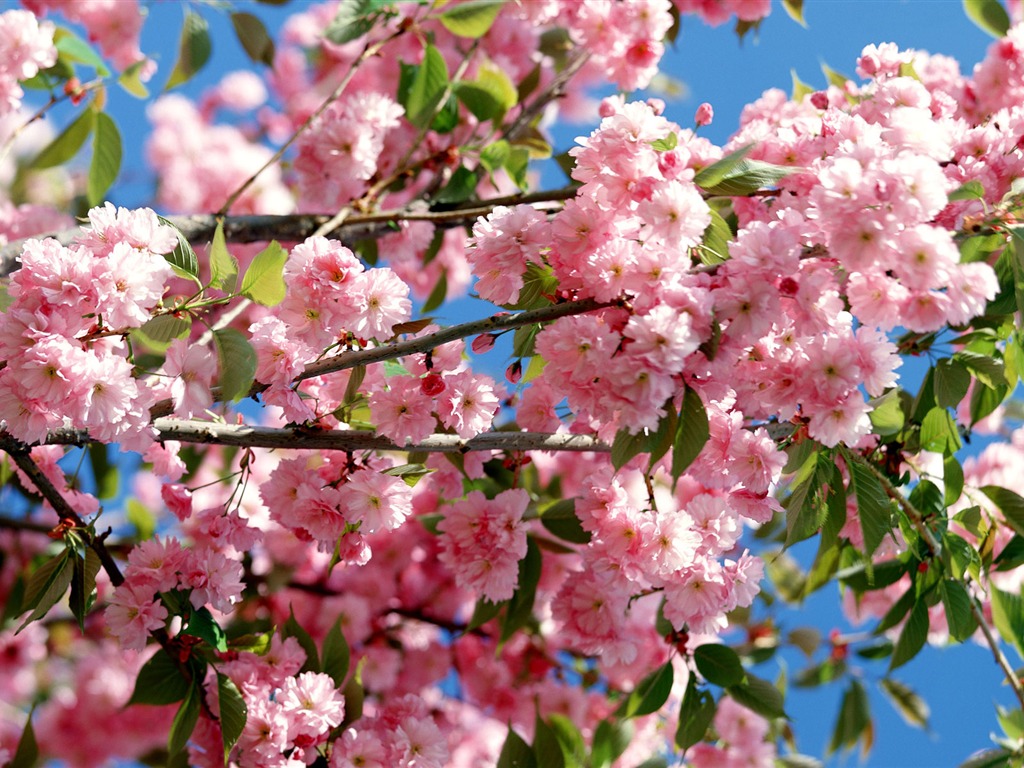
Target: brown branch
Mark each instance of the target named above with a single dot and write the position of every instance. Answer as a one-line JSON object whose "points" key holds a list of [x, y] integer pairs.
{"points": [[396, 349]]}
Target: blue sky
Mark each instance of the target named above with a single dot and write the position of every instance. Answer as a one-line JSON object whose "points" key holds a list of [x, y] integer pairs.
{"points": [[960, 684]]}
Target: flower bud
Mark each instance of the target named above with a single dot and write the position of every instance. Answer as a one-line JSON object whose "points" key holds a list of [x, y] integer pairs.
{"points": [[432, 385], [483, 343]]}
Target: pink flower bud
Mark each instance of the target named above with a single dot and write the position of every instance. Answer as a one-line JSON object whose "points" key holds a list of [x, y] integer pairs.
{"points": [[819, 99], [705, 114], [483, 343], [514, 372], [432, 385]]}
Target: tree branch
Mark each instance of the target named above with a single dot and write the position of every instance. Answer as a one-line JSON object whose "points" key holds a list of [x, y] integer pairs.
{"points": [[192, 431], [396, 349], [199, 228]]}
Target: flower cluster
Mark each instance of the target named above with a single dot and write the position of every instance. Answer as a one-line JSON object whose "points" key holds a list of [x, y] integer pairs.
{"points": [[26, 46]]}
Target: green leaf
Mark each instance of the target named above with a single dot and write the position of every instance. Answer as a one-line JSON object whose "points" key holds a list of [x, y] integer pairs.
{"points": [[570, 738], [160, 331], [484, 611], [131, 80], [695, 715], [758, 695], [546, 746], [939, 432], [911, 707], [47, 586], [252, 34], [872, 505], [336, 654], [292, 628], [471, 19], [912, 637], [194, 48], [952, 480], [66, 145], [353, 20], [692, 433], [806, 510], [516, 753], [520, 607], [438, 295], [627, 446], [494, 156], [795, 9], [714, 247], [83, 584], [104, 472], [989, 15], [223, 266], [985, 400], [887, 415], [988, 370], [70, 47], [233, 713], [718, 172], [184, 721], [27, 753], [1008, 617], [160, 681], [650, 694], [202, 624], [460, 187], [610, 741], [854, 718], [971, 190], [106, 158], [1009, 503], [182, 258], [428, 88], [719, 664], [237, 360], [560, 519], [952, 380], [800, 88], [264, 279], [989, 758]]}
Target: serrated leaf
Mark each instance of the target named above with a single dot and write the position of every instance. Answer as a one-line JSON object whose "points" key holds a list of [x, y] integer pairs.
{"points": [[264, 279], [952, 480], [471, 19], [987, 369], [202, 624], [560, 519], [626, 446], [233, 713], [70, 47], [854, 718], [650, 694], [484, 611], [692, 433], [47, 586], [718, 171], [253, 36], [223, 266], [989, 15], [66, 145], [353, 19], [887, 417], [911, 707], [1008, 617], [131, 80], [520, 607], [183, 259], [546, 746], [160, 331], [194, 48], [570, 738], [460, 187], [610, 740], [939, 432], [758, 695], [429, 85], [695, 715], [719, 664], [292, 628], [806, 510], [184, 721], [872, 506], [714, 247], [971, 190], [106, 158], [438, 295], [26, 755], [516, 753], [912, 637], [1009, 503], [83, 584], [750, 176], [336, 654], [952, 380], [237, 360]]}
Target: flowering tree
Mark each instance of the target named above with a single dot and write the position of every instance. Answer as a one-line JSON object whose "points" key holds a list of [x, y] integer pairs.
{"points": [[331, 537]]}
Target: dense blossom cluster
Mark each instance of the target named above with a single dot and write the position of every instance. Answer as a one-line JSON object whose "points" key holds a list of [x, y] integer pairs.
{"points": [[26, 46]]}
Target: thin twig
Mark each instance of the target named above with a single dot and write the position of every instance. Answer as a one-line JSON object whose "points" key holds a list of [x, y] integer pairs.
{"points": [[918, 521]]}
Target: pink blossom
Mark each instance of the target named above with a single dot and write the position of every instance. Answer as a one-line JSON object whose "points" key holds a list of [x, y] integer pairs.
{"points": [[134, 612], [193, 368], [312, 707], [469, 404], [374, 501], [403, 412]]}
